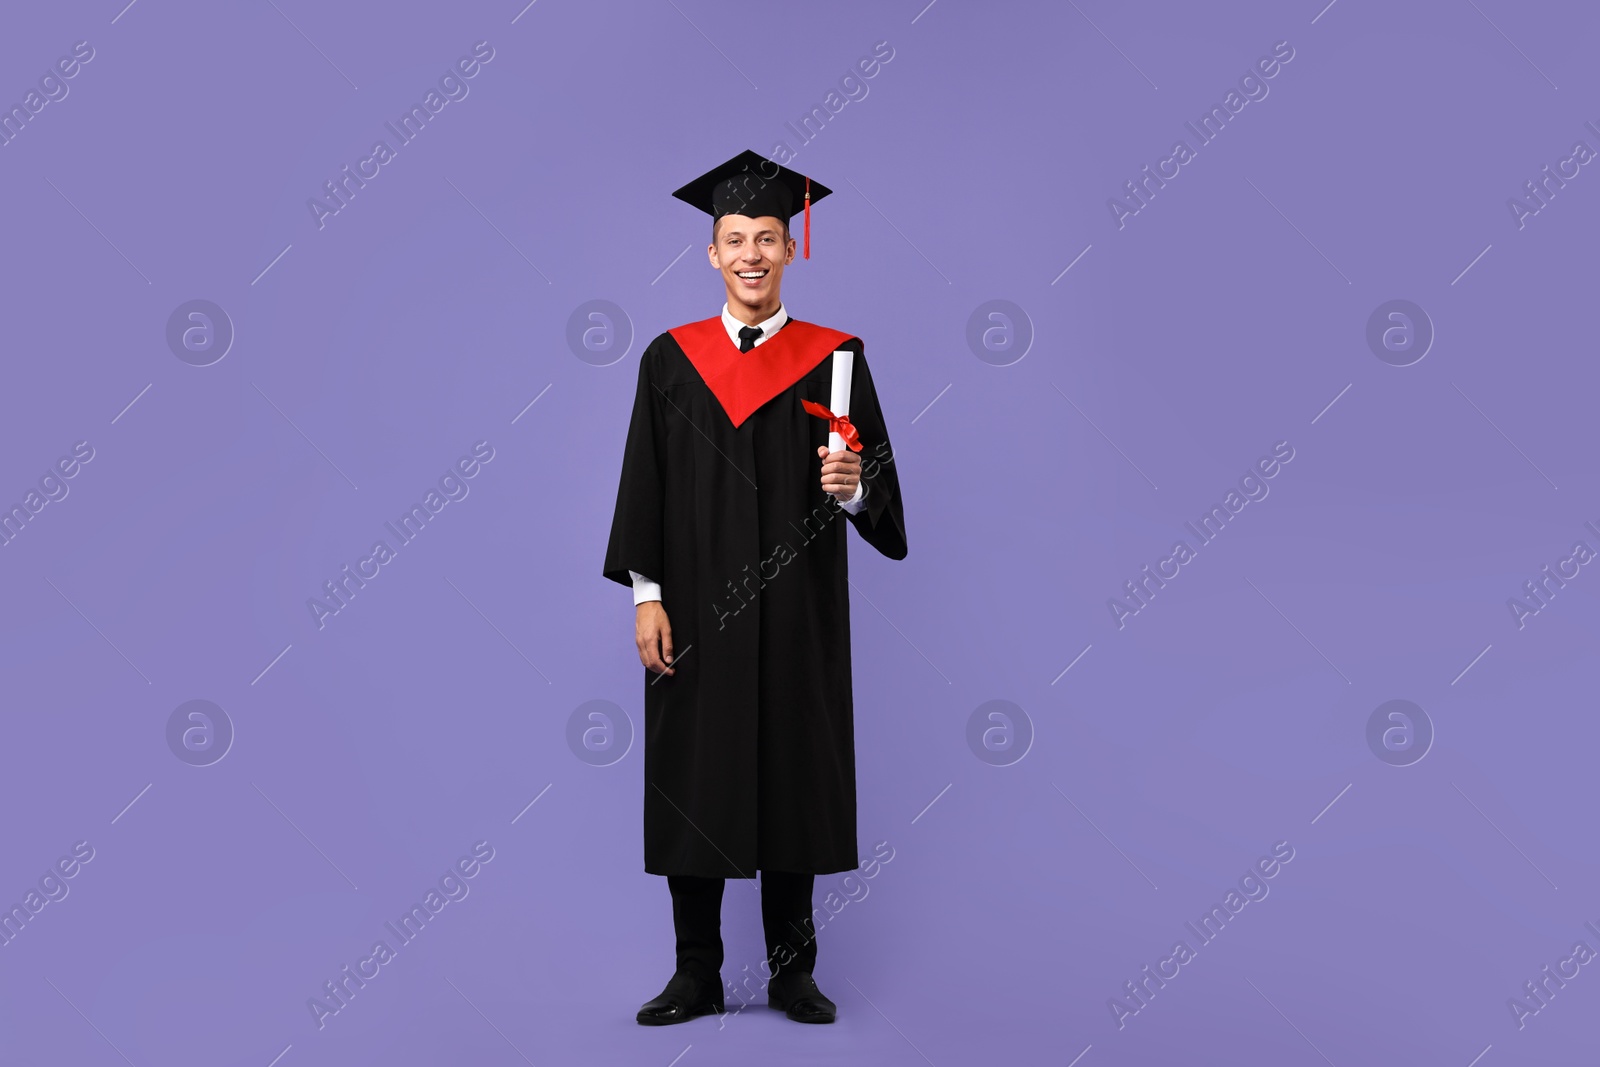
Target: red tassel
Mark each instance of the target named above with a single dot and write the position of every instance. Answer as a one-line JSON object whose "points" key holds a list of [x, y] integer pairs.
{"points": [[808, 220]]}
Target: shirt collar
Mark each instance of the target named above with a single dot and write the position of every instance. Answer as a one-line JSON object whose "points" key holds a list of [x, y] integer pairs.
{"points": [[768, 327]]}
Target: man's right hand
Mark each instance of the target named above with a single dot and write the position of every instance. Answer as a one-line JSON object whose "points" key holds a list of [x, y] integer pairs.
{"points": [[653, 634]]}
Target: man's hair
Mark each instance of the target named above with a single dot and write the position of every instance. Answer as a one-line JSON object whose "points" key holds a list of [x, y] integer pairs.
{"points": [[719, 219]]}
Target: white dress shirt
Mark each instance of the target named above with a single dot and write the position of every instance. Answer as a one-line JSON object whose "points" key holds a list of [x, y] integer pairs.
{"points": [[643, 588]]}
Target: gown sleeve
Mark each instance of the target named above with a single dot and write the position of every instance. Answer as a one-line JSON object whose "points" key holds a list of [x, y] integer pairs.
{"points": [[636, 524], [881, 523]]}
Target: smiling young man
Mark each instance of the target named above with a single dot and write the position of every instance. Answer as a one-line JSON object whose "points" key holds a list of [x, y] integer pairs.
{"points": [[727, 523]]}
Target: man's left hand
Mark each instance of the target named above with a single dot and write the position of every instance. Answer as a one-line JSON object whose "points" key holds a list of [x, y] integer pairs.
{"points": [[841, 473]]}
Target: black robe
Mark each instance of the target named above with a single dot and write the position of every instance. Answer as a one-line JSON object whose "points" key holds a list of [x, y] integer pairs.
{"points": [[749, 748]]}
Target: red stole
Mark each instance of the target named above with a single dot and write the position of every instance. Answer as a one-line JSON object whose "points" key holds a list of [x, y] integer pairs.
{"points": [[743, 381]]}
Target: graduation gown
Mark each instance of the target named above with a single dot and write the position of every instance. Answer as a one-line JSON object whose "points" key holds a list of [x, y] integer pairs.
{"points": [[749, 748]]}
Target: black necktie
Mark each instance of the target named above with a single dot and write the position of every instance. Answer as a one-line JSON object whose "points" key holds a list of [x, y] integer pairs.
{"points": [[747, 337]]}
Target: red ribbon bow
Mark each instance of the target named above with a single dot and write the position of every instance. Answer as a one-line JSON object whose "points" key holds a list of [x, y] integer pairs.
{"points": [[839, 424]]}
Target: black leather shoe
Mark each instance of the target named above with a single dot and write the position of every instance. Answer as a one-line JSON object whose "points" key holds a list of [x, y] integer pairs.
{"points": [[797, 994], [685, 997]]}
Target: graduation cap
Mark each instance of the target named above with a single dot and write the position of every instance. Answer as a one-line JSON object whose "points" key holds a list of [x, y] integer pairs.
{"points": [[750, 184]]}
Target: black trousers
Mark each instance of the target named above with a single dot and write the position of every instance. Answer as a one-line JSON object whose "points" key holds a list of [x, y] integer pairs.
{"points": [[785, 919]]}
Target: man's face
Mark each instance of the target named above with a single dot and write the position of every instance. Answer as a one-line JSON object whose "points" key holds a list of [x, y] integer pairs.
{"points": [[751, 254]]}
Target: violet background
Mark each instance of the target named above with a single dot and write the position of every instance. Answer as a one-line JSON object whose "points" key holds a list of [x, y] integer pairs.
{"points": [[428, 714]]}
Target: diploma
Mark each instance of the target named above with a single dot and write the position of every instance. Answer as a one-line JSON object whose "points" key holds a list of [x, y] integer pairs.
{"points": [[839, 400]]}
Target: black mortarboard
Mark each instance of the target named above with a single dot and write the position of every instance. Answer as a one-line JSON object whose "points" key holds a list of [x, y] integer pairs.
{"points": [[750, 184]]}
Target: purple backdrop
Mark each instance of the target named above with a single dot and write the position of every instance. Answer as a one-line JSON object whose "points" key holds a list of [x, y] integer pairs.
{"points": [[1336, 347]]}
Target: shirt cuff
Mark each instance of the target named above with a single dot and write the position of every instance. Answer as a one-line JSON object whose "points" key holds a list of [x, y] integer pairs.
{"points": [[854, 504], [644, 589]]}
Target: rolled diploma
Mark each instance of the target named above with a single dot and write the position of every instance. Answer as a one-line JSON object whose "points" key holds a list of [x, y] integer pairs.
{"points": [[839, 404]]}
